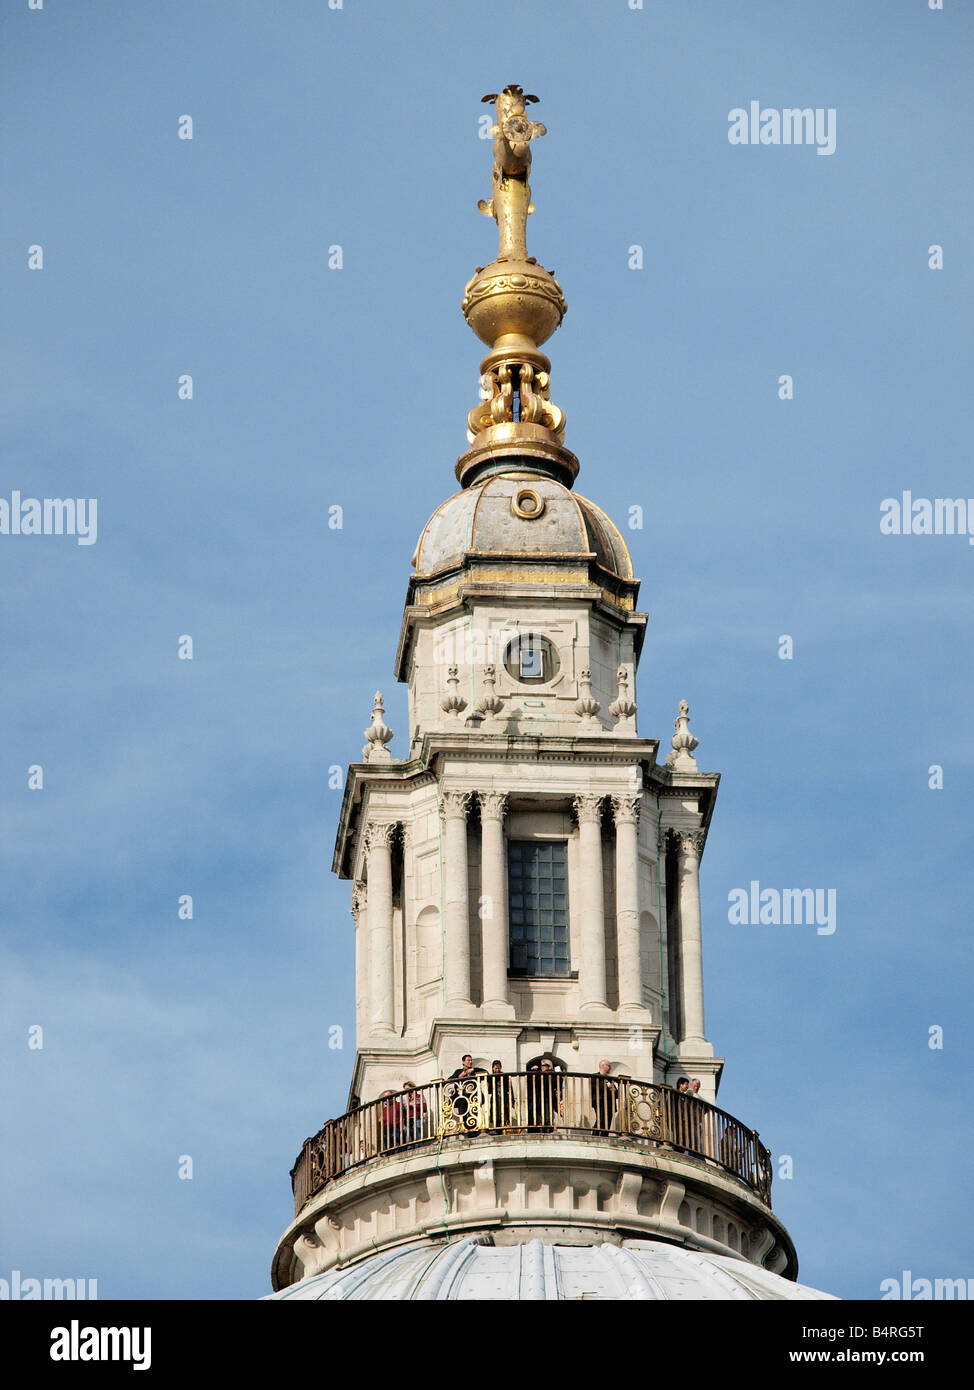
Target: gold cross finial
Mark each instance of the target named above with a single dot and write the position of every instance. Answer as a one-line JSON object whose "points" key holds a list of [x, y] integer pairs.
{"points": [[511, 201]]}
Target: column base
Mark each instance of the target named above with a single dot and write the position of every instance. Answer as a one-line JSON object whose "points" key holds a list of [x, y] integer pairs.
{"points": [[694, 1047], [460, 1008], [596, 1010], [638, 1013], [497, 1009]]}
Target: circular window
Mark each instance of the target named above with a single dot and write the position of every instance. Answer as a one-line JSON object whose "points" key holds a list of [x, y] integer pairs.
{"points": [[527, 504], [531, 659]]}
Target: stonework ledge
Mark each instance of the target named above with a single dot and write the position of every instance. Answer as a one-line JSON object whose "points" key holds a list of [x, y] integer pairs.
{"points": [[577, 1188]]}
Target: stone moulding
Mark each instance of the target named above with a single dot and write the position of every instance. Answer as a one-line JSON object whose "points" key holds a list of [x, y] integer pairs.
{"points": [[576, 1189]]}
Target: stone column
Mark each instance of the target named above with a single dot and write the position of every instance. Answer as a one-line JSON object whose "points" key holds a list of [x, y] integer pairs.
{"points": [[689, 845], [667, 1003], [591, 907], [363, 1021], [406, 943], [453, 809], [625, 812], [378, 843], [493, 888]]}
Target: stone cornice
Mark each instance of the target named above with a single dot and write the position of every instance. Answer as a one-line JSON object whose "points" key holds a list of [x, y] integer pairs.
{"points": [[455, 588], [362, 776], [474, 747], [540, 748], [667, 786]]}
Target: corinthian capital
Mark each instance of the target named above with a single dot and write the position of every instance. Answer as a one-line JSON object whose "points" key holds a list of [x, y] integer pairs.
{"points": [[358, 898], [625, 809], [454, 805], [493, 805], [689, 842], [378, 834], [588, 807]]}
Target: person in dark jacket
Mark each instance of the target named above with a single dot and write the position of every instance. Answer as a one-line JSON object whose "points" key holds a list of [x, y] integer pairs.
{"points": [[680, 1113], [605, 1098], [465, 1070], [499, 1091], [533, 1083], [548, 1104]]}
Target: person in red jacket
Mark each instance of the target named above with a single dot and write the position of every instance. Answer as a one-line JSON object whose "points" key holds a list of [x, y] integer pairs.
{"points": [[390, 1120]]}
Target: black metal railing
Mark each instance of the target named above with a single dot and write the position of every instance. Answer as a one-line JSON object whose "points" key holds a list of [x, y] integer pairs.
{"points": [[525, 1103]]}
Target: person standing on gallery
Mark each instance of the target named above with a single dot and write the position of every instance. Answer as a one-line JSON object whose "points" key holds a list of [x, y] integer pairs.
{"points": [[605, 1098]]}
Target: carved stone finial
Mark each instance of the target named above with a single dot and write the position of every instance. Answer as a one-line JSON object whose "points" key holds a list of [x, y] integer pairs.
{"points": [[623, 708], [491, 704], [586, 707], [454, 703], [682, 759], [378, 735]]}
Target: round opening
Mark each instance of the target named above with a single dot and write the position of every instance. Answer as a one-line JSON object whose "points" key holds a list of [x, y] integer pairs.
{"points": [[531, 659], [527, 504]]}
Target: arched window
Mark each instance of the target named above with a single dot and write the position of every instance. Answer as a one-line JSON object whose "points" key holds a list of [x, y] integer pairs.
{"points": [[556, 1062]]}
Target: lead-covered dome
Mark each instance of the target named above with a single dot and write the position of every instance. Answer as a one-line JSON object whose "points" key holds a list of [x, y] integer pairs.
{"points": [[524, 514], [474, 1269]]}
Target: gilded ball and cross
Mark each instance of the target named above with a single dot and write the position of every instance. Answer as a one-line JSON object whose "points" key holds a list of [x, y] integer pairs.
{"points": [[514, 304], [513, 297]]}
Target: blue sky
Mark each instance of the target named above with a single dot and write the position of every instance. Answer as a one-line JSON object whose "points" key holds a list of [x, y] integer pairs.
{"points": [[316, 387]]}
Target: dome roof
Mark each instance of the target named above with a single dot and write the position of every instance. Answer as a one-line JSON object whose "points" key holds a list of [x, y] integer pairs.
{"points": [[476, 1269], [519, 513]]}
